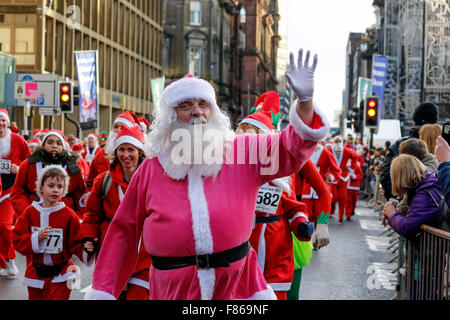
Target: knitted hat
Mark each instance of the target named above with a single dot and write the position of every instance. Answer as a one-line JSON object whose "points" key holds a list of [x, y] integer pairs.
{"points": [[127, 118], [187, 88], [71, 138], [133, 136], [44, 171], [5, 114], [426, 112], [58, 134], [103, 136]]}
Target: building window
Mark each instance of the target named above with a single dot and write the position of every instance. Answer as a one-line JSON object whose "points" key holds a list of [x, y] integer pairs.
{"points": [[196, 13], [24, 46], [195, 61], [5, 40], [243, 15]]}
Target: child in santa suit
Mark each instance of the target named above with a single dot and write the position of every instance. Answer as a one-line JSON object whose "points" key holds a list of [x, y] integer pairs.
{"points": [[105, 197], [344, 158], [355, 174], [277, 213], [77, 151], [13, 151], [47, 232], [54, 151], [100, 162]]}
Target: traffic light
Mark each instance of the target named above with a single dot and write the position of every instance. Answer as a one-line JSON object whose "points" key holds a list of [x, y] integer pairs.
{"points": [[66, 97], [76, 96], [371, 112]]}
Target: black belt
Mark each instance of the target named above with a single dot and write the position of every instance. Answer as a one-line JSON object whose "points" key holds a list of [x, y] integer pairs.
{"points": [[203, 261], [267, 219], [49, 271]]}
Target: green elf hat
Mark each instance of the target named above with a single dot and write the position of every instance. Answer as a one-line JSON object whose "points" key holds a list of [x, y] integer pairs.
{"points": [[71, 138], [103, 136], [269, 102]]}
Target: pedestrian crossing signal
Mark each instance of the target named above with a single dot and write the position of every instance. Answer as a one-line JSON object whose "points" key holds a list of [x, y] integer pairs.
{"points": [[66, 97], [371, 114]]}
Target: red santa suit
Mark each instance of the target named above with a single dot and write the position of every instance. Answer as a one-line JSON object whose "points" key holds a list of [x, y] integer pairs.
{"points": [[356, 174], [339, 189], [13, 151], [100, 210], [316, 196], [271, 237], [24, 191], [48, 261], [99, 164]]}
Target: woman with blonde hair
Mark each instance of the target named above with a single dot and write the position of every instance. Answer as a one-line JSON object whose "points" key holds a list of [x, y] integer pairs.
{"points": [[429, 133], [410, 178]]}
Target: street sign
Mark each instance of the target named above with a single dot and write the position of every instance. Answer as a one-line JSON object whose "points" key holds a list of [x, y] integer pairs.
{"points": [[49, 112], [31, 90], [46, 93], [19, 90]]}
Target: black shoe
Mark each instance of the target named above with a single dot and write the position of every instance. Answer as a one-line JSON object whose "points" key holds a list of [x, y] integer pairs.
{"points": [[353, 213], [349, 219], [340, 222]]}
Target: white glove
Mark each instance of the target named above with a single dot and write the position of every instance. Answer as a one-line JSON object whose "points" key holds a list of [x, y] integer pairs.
{"points": [[301, 77], [321, 236]]}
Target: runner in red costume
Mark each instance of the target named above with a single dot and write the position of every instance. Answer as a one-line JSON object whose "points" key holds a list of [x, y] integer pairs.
{"points": [[356, 174]]}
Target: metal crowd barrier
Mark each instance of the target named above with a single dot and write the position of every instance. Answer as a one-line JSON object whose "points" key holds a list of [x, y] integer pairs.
{"points": [[424, 266]]}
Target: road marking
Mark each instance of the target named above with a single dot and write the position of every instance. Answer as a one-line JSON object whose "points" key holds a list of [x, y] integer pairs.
{"points": [[371, 225], [376, 243], [382, 276]]}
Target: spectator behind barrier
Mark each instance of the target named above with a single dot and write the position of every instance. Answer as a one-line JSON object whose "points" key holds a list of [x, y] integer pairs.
{"points": [[429, 133], [424, 113], [443, 157], [409, 178], [416, 148]]}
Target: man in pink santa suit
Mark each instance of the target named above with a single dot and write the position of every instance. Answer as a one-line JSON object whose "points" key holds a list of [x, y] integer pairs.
{"points": [[196, 215]]}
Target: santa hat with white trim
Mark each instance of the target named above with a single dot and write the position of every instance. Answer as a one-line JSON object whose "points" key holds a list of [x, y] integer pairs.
{"points": [[5, 114], [128, 119], [266, 113], [187, 88], [133, 136], [34, 142], [58, 134], [44, 171]]}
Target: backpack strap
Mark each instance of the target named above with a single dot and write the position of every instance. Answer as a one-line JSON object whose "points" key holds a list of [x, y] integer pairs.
{"points": [[432, 197], [106, 184]]}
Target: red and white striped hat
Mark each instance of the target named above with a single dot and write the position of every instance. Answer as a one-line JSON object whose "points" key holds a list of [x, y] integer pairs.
{"points": [[5, 114], [133, 136]]}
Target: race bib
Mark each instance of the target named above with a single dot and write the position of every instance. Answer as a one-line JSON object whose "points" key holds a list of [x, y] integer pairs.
{"points": [[54, 242], [5, 166], [268, 199]]}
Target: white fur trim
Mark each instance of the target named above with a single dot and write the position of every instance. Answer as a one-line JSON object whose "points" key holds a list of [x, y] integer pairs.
{"points": [[317, 153], [280, 286], [124, 121], [60, 137], [128, 139], [41, 174], [33, 283], [306, 132], [139, 282], [6, 196], [4, 115], [93, 294], [202, 232], [5, 144], [267, 294], [298, 215], [257, 124], [284, 183], [88, 261], [36, 245]]}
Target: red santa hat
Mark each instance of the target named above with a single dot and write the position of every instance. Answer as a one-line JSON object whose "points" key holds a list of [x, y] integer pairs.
{"points": [[71, 138], [127, 118], [5, 114], [266, 112], [44, 171], [133, 136], [58, 134], [187, 88], [34, 142], [92, 135], [36, 133], [144, 122], [77, 147]]}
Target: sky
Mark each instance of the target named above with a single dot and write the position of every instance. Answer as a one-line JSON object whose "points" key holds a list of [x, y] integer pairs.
{"points": [[323, 26]]}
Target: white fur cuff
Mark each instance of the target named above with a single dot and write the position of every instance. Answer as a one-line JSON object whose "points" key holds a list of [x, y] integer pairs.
{"points": [[93, 294], [306, 132]]}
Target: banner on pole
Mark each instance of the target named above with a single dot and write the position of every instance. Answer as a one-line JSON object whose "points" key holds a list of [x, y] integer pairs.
{"points": [[86, 64], [364, 89], [379, 74]]}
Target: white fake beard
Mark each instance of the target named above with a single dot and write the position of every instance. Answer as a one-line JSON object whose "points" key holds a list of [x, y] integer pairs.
{"points": [[110, 142], [5, 145], [178, 171]]}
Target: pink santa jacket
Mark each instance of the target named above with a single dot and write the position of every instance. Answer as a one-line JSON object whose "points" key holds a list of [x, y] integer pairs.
{"points": [[198, 215]]}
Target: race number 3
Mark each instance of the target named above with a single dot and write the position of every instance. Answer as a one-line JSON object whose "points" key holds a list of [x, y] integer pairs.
{"points": [[54, 242], [5, 166], [268, 199]]}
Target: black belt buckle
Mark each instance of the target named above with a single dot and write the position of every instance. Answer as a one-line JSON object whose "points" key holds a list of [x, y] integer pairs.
{"points": [[202, 262]]}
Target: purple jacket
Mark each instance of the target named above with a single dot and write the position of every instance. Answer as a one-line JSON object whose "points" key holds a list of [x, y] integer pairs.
{"points": [[422, 208]]}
